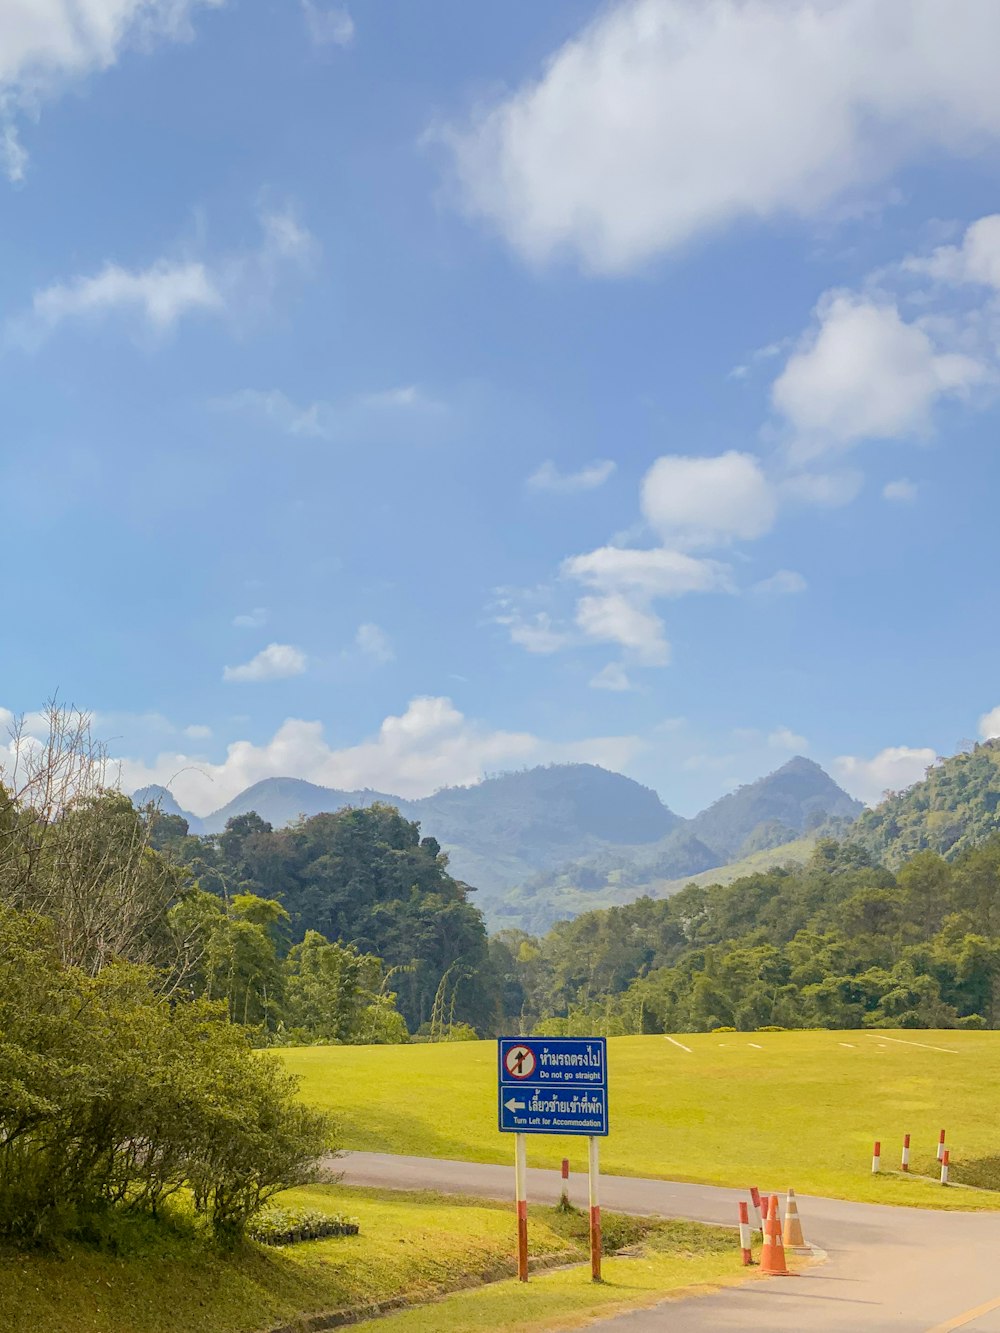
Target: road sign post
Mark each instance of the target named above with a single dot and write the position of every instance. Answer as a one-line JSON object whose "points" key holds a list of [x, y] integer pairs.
{"points": [[593, 1169], [521, 1195], [553, 1085]]}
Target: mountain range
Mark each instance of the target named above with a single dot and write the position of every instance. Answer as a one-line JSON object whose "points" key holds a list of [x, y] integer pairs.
{"points": [[555, 841]]}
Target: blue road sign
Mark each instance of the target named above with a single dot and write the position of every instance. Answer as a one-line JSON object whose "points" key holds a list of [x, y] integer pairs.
{"points": [[553, 1085]]}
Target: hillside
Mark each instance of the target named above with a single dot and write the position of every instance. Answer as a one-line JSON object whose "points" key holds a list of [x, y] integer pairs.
{"points": [[749, 829], [798, 797], [956, 806], [552, 842]]}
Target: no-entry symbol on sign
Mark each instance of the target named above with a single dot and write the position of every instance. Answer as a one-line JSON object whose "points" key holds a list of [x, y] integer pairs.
{"points": [[519, 1061]]}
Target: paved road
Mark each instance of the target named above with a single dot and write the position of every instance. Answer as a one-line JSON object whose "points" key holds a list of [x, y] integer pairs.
{"points": [[889, 1270]]}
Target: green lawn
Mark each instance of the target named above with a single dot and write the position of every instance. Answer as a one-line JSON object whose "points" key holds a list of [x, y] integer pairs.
{"points": [[411, 1245], [771, 1109], [667, 1264], [412, 1248]]}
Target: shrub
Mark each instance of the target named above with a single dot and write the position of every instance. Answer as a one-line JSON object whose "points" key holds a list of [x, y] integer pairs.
{"points": [[115, 1096], [286, 1226]]}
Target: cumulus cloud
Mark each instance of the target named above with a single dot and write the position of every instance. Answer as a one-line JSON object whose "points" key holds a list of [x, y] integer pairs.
{"points": [[547, 477], [989, 725], [782, 583], [428, 746], [892, 769], [975, 260], [614, 618], [331, 26], [159, 296], [695, 502], [666, 120], [374, 643], [46, 44], [277, 661], [900, 492], [653, 573], [864, 373]]}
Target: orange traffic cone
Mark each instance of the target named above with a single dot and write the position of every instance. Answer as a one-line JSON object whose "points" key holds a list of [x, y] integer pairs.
{"points": [[793, 1237], [772, 1256]]}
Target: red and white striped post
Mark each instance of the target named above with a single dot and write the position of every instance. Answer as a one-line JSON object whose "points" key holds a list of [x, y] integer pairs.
{"points": [[565, 1168], [745, 1235], [944, 1167], [521, 1194], [940, 1152], [876, 1158], [904, 1164], [755, 1197], [593, 1171]]}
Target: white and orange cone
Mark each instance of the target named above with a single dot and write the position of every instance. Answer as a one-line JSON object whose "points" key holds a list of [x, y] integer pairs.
{"points": [[772, 1256], [793, 1237]]}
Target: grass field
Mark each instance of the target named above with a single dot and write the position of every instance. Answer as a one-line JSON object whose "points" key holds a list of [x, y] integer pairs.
{"points": [[566, 1298], [412, 1247], [737, 1109]]}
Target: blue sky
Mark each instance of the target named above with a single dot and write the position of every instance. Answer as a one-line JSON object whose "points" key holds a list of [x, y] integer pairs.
{"points": [[397, 393]]}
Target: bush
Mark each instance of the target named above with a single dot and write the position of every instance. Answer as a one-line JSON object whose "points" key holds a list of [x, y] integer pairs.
{"points": [[286, 1226], [116, 1097]]}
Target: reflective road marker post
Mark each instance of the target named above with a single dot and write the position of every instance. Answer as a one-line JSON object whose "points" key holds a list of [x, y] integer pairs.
{"points": [[521, 1193], [594, 1170]]}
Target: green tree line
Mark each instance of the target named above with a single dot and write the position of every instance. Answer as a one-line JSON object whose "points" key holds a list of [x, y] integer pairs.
{"points": [[841, 942]]}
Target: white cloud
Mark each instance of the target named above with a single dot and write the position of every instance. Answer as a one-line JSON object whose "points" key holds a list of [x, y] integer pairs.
{"points": [[989, 724], [651, 573], [976, 260], [275, 662], [892, 769], [334, 421], [547, 477], [251, 619], [664, 120], [373, 642], [863, 373], [613, 618], [694, 502], [535, 633], [901, 491], [160, 294], [429, 746], [782, 583], [783, 738], [611, 677], [197, 732], [328, 27], [45, 44], [167, 290]]}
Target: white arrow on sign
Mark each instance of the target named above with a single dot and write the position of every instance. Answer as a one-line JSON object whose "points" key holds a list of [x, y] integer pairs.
{"points": [[512, 1105]]}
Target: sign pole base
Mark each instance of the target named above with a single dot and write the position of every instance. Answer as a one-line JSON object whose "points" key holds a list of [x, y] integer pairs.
{"points": [[593, 1169], [521, 1195]]}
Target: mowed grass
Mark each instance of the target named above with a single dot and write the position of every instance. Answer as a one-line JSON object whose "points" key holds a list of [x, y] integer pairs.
{"points": [[771, 1109], [567, 1298], [411, 1246]]}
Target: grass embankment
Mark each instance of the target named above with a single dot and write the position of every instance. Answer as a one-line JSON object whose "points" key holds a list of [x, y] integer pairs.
{"points": [[770, 1108], [672, 1258], [412, 1248]]}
